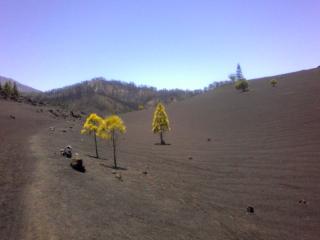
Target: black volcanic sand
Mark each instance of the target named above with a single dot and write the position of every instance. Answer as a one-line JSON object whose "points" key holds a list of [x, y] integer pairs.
{"points": [[264, 152]]}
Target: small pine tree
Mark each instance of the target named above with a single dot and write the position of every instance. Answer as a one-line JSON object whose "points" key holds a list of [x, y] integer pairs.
{"points": [[160, 123], [7, 89], [242, 85], [91, 125], [110, 128], [239, 75], [15, 92], [232, 77], [273, 82]]}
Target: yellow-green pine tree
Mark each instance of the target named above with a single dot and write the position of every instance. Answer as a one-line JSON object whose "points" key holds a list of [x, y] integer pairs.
{"points": [[273, 82], [160, 123], [91, 125], [110, 128]]}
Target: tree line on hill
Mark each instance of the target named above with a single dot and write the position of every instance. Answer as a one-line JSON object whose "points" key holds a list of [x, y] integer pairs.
{"points": [[9, 90], [99, 95]]}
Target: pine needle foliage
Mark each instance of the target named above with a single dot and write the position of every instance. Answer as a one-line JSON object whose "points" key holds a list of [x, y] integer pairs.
{"points": [[109, 129], [91, 125], [160, 123]]}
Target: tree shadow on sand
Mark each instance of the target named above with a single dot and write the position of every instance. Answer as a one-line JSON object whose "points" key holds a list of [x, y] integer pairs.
{"points": [[112, 167], [165, 144], [91, 156]]}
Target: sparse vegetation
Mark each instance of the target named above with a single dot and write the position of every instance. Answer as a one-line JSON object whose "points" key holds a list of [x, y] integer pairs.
{"points": [[91, 125], [141, 107], [110, 128], [160, 123], [273, 82], [242, 84]]}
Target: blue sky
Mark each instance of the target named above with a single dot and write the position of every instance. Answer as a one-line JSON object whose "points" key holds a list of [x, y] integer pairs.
{"points": [[163, 43]]}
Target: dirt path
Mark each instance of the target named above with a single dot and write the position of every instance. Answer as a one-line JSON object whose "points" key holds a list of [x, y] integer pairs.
{"points": [[18, 122]]}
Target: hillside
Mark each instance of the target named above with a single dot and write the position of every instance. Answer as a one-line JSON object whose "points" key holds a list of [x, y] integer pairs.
{"points": [[228, 150], [21, 87], [102, 96]]}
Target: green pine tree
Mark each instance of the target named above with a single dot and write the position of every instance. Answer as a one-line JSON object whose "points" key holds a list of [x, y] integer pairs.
{"points": [[7, 89], [15, 92]]}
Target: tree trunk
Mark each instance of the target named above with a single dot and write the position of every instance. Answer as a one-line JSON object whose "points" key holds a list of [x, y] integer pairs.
{"points": [[114, 149], [161, 139], [95, 142]]}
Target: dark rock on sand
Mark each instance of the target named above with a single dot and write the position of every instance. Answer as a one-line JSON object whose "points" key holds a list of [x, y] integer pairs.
{"points": [[250, 209], [66, 152], [77, 164]]}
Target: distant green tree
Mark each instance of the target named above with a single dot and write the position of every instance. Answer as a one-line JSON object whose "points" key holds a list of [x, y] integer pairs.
{"points": [[239, 75], [0, 88], [273, 82], [15, 92], [232, 77], [7, 89], [242, 84]]}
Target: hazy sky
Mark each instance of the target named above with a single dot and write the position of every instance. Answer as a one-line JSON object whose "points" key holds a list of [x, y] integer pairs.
{"points": [[162, 43]]}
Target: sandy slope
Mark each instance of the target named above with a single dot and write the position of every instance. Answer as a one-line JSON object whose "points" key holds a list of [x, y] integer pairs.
{"points": [[264, 152]]}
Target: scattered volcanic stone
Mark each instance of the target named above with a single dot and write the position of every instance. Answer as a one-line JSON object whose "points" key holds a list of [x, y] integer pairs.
{"points": [[145, 172], [302, 201], [64, 130], [12, 117], [74, 115], [53, 113], [190, 158], [77, 164], [250, 209], [119, 176], [209, 139], [66, 152]]}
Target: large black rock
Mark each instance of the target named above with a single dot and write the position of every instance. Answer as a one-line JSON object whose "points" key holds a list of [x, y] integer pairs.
{"points": [[77, 164]]}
